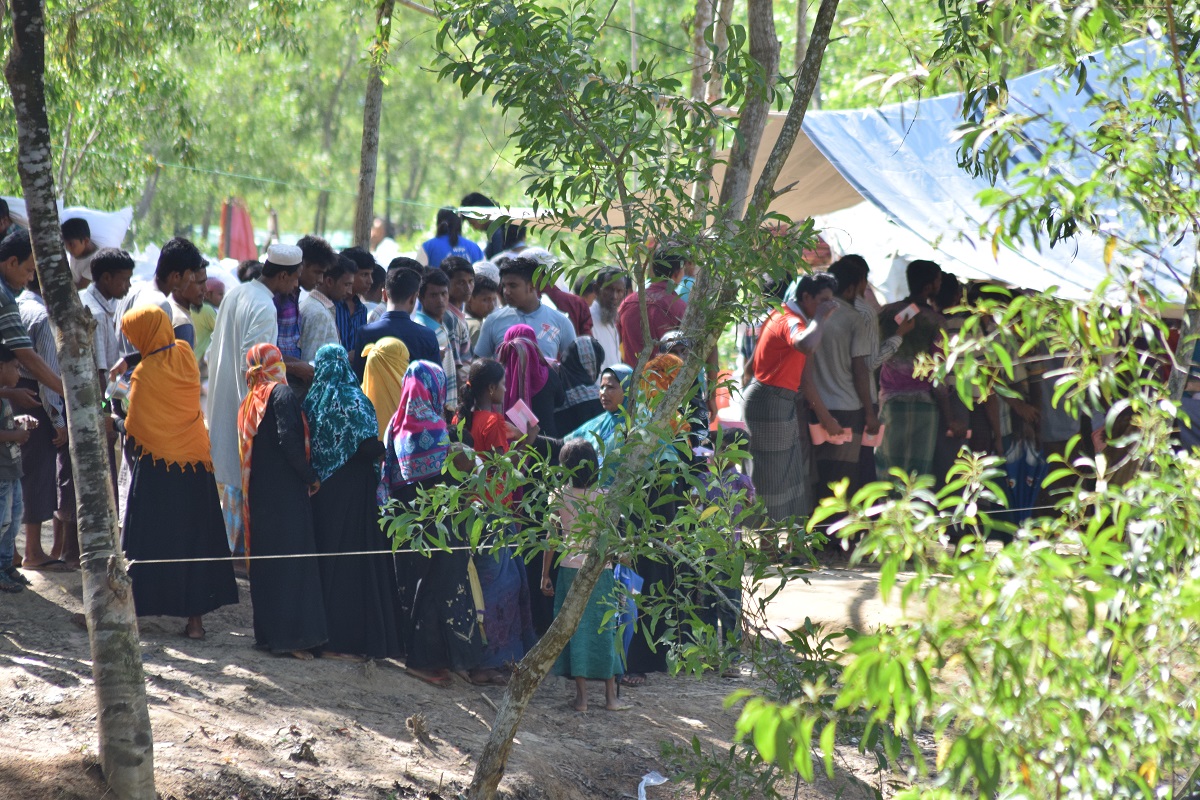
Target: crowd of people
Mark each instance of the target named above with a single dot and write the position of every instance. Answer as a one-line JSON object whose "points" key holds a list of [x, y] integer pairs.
{"points": [[286, 414]]}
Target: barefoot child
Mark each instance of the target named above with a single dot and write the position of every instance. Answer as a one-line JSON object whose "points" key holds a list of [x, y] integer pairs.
{"points": [[593, 652]]}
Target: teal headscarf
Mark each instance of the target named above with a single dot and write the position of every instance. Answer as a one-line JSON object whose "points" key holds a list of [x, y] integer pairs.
{"points": [[340, 417], [602, 430]]}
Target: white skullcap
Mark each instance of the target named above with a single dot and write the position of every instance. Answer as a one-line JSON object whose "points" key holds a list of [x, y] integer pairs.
{"points": [[541, 255], [487, 269], [284, 255]]}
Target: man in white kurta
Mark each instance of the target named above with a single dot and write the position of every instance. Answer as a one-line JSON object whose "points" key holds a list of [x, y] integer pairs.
{"points": [[247, 317]]}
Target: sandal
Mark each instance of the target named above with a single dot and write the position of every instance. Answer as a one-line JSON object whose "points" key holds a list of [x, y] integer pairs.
{"points": [[12, 573], [7, 584], [633, 679]]}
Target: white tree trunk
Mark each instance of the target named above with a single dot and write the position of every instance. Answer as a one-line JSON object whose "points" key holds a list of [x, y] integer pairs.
{"points": [[364, 211], [126, 745]]}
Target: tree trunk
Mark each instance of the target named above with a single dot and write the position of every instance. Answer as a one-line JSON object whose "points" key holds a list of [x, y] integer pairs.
{"points": [[530, 673], [364, 211], [148, 192], [723, 15], [206, 220], [764, 48], [126, 746], [702, 60], [802, 47]]}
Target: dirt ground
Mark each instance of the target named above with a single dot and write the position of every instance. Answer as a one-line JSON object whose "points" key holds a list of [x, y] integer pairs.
{"points": [[233, 722]]}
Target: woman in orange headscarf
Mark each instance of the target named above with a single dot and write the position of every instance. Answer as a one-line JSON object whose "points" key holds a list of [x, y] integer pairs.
{"points": [[173, 510], [277, 480]]}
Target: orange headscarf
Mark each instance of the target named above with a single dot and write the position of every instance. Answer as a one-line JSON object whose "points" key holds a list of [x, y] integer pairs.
{"points": [[164, 394], [657, 376], [264, 369]]}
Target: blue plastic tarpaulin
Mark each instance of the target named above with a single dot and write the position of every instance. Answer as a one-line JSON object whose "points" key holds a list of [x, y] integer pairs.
{"points": [[904, 159]]}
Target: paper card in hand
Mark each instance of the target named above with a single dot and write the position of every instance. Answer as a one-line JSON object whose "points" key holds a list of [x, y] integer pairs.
{"points": [[521, 416]]}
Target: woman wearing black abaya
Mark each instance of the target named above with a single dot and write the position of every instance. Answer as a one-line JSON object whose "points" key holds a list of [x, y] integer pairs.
{"points": [[359, 591], [172, 471], [277, 481], [441, 600]]}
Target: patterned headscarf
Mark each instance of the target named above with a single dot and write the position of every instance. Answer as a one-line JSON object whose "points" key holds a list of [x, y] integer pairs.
{"points": [[386, 361], [264, 369], [417, 438], [164, 417], [525, 368], [580, 369], [339, 414]]}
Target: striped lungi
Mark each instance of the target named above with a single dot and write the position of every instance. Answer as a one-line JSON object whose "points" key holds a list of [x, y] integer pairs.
{"points": [[782, 477], [910, 436]]}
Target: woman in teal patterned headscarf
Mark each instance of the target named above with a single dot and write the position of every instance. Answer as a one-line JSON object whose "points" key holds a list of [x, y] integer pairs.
{"points": [[359, 590], [339, 415]]}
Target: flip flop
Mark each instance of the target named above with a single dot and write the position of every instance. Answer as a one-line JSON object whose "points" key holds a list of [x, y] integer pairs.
{"points": [[187, 634], [635, 679], [53, 565]]}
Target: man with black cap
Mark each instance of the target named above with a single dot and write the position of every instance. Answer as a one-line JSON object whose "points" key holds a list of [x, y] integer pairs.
{"points": [[247, 317]]}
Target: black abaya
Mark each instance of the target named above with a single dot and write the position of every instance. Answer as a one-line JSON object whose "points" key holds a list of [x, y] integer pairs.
{"points": [[438, 622], [175, 513], [642, 657], [359, 591], [289, 612]]}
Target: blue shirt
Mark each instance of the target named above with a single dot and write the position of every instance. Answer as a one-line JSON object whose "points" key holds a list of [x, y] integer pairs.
{"points": [[348, 322], [552, 328], [421, 342], [439, 247]]}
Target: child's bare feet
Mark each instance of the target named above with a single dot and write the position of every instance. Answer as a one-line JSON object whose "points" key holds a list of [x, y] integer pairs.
{"points": [[580, 701], [612, 701], [579, 704]]}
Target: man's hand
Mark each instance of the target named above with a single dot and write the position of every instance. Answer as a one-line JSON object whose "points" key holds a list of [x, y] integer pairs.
{"points": [[905, 327], [1024, 410], [117, 371], [21, 398], [872, 426], [547, 586], [831, 426], [313, 488], [958, 429], [60, 437], [826, 308]]}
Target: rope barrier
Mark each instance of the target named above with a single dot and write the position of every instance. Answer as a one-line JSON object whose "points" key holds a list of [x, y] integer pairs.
{"points": [[425, 552]]}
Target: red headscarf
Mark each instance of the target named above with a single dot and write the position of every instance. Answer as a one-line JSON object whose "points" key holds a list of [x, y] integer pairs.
{"points": [[525, 368], [264, 369]]}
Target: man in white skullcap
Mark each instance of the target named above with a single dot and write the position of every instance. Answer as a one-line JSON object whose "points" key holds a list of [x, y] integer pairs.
{"points": [[246, 317]]}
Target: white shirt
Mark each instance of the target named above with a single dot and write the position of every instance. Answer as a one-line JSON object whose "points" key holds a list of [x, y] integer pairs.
{"points": [[318, 325], [81, 267], [145, 293], [246, 318], [607, 336], [104, 311]]}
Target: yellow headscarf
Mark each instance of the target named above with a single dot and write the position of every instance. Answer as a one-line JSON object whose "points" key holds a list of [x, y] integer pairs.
{"points": [[383, 375], [164, 394]]}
